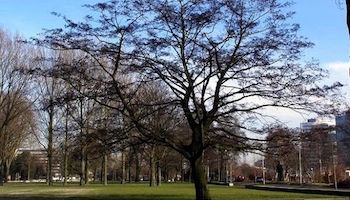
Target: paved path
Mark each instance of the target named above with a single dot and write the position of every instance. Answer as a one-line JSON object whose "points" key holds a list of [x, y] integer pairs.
{"points": [[302, 189]]}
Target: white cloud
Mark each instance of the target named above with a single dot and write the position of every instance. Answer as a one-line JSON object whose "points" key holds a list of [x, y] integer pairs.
{"points": [[338, 66], [338, 71]]}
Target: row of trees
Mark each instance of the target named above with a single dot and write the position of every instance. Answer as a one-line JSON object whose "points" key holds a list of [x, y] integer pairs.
{"points": [[315, 150], [79, 132], [188, 75]]}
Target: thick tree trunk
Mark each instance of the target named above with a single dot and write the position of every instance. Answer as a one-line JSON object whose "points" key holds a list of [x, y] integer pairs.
{"points": [[199, 179]]}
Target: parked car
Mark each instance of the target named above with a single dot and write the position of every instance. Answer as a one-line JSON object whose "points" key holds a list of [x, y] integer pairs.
{"points": [[239, 178]]}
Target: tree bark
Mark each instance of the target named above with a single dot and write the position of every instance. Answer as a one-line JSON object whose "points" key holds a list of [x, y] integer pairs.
{"points": [[199, 179]]}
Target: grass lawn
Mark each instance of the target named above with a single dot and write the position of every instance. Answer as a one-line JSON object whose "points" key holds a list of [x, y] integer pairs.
{"points": [[171, 191]]}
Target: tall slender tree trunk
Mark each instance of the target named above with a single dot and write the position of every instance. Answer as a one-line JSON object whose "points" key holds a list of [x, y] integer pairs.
{"points": [[105, 168], [129, 170], [2, 174], [86, 170], [28, 172], [82, 167], [152, 173], [159, 173], [7, 170], [137, 167], [49, 180], [65, 159], [82, 146], [199, 179], [123, 168]]}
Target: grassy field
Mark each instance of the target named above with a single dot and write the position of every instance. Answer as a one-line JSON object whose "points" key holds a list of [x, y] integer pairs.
{"points": [[172, 191]]}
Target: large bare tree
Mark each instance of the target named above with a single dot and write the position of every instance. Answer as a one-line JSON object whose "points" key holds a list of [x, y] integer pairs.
{"points": [[223, 61]]}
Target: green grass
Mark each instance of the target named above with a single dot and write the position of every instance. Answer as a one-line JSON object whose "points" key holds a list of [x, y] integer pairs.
{"points": [[172, 191]]}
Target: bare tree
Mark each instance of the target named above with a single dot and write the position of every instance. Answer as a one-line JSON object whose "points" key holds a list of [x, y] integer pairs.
{"points": [[281, 148], [16, 118], [48, 89], [220, 59]]}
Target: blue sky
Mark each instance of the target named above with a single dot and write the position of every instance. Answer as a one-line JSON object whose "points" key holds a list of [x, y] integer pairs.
{"points": [[322, 21]]}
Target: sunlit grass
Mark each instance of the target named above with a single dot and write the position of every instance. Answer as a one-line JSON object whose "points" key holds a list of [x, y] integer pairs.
{"points": [[172, 191]]}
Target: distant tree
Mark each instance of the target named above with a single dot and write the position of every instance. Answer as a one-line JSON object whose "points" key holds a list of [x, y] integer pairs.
{"points": [[16, 111], [48, 89], [220, 60], [282, 148], [319, 150]]}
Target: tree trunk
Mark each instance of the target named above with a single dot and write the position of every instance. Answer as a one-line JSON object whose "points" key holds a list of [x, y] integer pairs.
{"points": [[105, 167], [123, 168], [199, 179], [86, 170], [82, 167], [129, 171], [28, 172], [137, 167], [65, 159], [159, 180], [7, 170], [2, 174], [152, 168], [65, 166], [51, 111]]}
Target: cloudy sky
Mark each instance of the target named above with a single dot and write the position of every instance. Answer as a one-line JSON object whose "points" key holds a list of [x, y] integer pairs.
{"points": [[322, 21]]}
